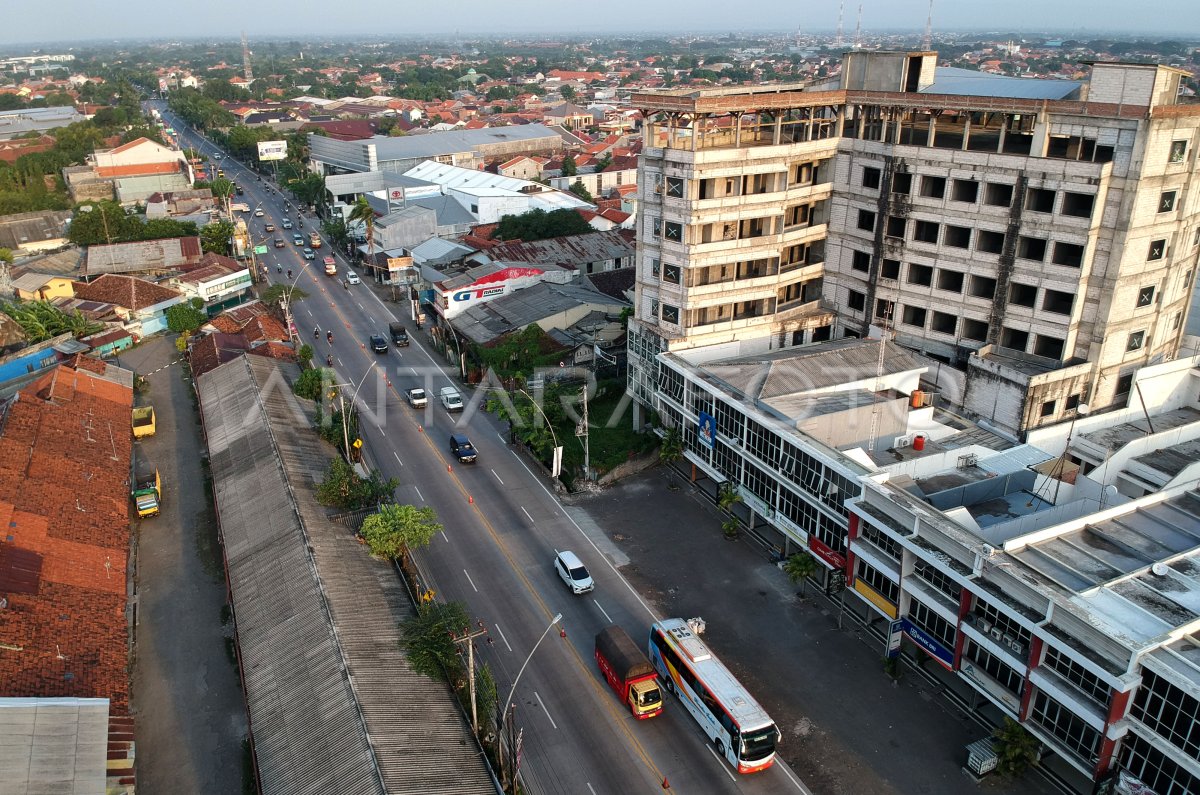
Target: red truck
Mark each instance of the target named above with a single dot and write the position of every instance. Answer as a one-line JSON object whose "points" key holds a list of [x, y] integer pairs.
{"points": [[628, 672]]}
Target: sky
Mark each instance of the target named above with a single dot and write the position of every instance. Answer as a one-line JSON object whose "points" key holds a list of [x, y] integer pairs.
{"points": [[69, 20]]}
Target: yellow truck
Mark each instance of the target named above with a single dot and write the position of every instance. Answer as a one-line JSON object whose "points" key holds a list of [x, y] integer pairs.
{"points": [[143, 421], [145, 486]]}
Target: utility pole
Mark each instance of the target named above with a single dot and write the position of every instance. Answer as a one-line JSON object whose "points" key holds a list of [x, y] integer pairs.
{"points": [[468, 638], [582, 431]]}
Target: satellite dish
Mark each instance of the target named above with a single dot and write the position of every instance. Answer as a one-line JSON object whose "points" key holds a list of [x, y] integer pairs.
{"points": [[1159, 569]]}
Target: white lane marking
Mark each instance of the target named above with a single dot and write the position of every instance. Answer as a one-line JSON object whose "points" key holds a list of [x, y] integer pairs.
{"points": [[418, 491], [601, 609], [502, 637], [526, 514], [470, 580], [363, 308], [589, 786], [799, 784], [724, 764], [398, 461], [498, 477], [501, 437], [445, 537], [543, 706]]}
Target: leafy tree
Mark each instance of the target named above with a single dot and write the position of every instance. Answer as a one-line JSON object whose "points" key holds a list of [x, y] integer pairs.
{"points": [[799, 568], [304, 355], [275, 294], [336, 230], [311, 383], [604, 162], [343, 488], [186, 317], [221, 188], [568, 92], [727, 497], [6, 254], [395, 530], [569, 169], [216, 236], [309, 189], [580, 190], [1016, 748], [539, 225], [427, 639], [107, 222]]}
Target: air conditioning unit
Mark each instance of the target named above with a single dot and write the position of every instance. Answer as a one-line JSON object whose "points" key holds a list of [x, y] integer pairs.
{"points": [[901, 442], [1008, 641], [996, 634], [985, 625], [1018, 648]]}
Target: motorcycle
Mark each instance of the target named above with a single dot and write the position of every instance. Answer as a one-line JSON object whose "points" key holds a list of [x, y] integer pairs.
{"points": [[329, 360], [279, 269], [289, 273], [316, 333], [329, 337]]}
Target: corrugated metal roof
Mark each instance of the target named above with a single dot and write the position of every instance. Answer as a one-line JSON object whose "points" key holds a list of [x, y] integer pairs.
{"points": [[968, 82], [796, 370], [53, 744], [324, 672], [443, 143]]}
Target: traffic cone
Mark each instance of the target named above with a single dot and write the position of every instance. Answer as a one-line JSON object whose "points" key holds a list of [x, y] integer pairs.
{"points": [[666, 784], [470, 500], [449, 468], [562, 632]]}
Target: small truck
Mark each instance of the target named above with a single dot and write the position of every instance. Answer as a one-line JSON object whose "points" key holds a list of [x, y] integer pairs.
{"points": [[628, 672], [451, 400], [145, 486], [416, 397], [330, 266], [143, 421], [314, 239]]}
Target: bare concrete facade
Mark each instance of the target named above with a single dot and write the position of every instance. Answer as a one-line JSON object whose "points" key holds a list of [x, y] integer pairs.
{"points": [[1043, 248]]}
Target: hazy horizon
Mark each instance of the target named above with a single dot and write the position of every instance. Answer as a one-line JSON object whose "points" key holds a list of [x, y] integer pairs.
{"points": [[81, 21]]}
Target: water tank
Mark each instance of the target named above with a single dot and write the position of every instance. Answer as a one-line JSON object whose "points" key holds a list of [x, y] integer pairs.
{"points": [[919, 442], [918, 399]]}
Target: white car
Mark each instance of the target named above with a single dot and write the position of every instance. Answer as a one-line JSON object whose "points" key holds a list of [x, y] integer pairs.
{"points": [[572, 572], [352, 278], [258, 213]]}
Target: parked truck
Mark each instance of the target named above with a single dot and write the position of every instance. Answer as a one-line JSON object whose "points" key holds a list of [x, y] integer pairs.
{"points": [[143, 421], [628, 672], [146, 486]]}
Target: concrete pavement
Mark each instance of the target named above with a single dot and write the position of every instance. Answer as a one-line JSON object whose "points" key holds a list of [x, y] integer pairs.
{"points": [[846, 728], [190, 719]]}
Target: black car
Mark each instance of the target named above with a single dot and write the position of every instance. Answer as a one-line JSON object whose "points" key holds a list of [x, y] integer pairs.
{"points": [[240, 192], [462, 449], [378, 343]]}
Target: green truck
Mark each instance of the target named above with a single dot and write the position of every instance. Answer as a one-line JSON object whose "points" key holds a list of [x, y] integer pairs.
{"points": [[146, 486]]}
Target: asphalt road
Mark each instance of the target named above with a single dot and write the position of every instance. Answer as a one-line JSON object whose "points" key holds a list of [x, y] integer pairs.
{"points": [[502, 528]]}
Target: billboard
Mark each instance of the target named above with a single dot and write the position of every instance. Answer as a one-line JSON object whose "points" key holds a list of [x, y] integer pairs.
{"points": [[272, 150]]}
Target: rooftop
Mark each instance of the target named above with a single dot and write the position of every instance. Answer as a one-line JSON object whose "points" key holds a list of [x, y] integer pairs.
{"points": [[968, 82], [411, 147], [484, 322], [128, 292]]}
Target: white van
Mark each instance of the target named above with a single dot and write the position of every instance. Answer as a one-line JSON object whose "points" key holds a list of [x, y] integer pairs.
{"points": [[572, 572]]}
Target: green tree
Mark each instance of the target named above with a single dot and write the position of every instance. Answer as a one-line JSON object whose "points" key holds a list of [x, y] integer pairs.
{"points": [[309, 189], [343, 488], [539, 225], [274, 294], [428, 639], [216, 237], [338, 233], [186, 317], [41, 320], [569, 169], [305, 355], [311, 383], [580, 190], [103, 222], [6, 254], [395, 530], [604, 162], [1016, 748], [799, 568], [363, 213], [568, 92]]}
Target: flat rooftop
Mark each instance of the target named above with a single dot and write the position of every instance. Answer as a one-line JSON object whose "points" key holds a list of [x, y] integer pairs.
{"points": [[1117, 436]]}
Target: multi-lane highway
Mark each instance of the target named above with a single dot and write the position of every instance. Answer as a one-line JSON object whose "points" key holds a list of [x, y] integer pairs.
{"points": [[502, 527]]}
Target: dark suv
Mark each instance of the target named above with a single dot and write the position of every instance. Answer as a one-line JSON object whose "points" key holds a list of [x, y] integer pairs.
{"points": [[462, 449], [378, 343]]}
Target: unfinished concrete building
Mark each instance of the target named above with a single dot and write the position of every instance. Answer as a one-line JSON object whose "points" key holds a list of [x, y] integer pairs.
{"points": [[1038, 237]]}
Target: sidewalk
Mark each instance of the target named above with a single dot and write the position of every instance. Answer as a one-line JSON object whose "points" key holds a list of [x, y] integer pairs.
{"points": [[847, 729]]}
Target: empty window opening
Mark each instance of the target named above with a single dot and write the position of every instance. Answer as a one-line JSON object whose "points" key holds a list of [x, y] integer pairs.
{"points": [[858, 301], [914, 316], [1078, 205], [1050, 347], [890, 269], [1014, 339], [1068, 254], [951, 281], [965, 190], [902, 183], [1058, 302], [1022, 294], [944, 323], [920, 275], [894, 227], [989, 242], [933, 187], [998, 195], [866, 220], [926, 232], [1039, 200], [983, 287], [1033, 248], [958, 236], [871, 177], [974, 330], [860, 261]]}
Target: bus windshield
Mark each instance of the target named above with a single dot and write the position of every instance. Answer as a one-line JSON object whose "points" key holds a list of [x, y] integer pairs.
{"points": [[759, 744]]}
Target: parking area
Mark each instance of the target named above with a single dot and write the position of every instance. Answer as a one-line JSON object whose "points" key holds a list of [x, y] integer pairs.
{"points": [[187, 701], [847, 728]]}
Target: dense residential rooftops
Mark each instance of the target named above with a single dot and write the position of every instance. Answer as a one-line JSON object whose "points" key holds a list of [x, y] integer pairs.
{"points": [[65, 451], [128, 292]]}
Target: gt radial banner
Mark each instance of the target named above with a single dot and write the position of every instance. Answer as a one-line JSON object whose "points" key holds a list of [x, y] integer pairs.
{"points": [[272, 150]]}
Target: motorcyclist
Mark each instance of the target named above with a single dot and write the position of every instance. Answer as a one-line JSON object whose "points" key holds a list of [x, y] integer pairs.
{"points": [[278, 268], [316, 332], [329, 359], [289, 273], [329, 337]]}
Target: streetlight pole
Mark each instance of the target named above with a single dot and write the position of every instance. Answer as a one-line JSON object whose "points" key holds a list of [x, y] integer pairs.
{"points": [[556, 459], [342, 406], [512, 692], [287, 300]]}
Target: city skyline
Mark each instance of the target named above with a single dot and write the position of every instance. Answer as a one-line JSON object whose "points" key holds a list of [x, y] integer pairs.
{"points": [[81, 21]]}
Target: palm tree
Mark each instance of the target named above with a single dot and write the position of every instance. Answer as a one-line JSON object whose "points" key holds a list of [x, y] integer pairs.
{"points": [[799, 568], [366, 214]]}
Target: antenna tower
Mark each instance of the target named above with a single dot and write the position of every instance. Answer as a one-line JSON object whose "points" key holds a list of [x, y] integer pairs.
{"points": [[841, 9], [927, 42], [858, 29], [248, 72]]}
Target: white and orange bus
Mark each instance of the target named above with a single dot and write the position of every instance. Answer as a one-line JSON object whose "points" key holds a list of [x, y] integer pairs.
{"points": [[741, 731]]}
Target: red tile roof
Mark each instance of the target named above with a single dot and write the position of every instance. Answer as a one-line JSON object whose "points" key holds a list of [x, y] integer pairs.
{"points": [[64, 466], [214, 350], [128, 292], [140, 169], [135, 143]]}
